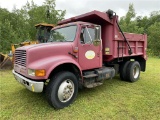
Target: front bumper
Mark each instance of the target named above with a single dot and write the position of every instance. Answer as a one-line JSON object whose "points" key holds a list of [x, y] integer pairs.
{"points": [[29, 84]]}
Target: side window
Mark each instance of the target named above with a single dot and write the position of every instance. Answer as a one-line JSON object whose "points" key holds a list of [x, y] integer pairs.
{"points": [[87, 35]]}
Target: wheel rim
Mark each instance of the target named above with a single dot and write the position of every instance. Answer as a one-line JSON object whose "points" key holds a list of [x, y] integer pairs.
{"points": [[136, 72], [66, 90]]}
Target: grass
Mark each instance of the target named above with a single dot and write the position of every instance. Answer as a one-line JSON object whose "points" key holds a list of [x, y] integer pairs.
{"points": [[114, 100]]}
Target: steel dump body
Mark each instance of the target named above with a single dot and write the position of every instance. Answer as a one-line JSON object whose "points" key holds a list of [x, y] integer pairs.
{"points": [[114, 46]]}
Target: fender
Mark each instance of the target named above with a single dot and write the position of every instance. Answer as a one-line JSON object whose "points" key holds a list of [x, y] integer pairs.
{"points": [[50, 63]]}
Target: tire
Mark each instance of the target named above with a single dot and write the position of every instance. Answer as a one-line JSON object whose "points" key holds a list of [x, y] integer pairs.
{"points": [[62, 90], [123, 70], [133, 71]]}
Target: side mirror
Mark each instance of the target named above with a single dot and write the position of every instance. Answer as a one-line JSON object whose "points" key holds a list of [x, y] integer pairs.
{"points": [[97, 40]]}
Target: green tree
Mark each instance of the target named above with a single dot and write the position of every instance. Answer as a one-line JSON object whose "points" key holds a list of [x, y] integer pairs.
{"points": [[146, 22], [41, 14], [143, 22], [154, 38], [151, 27], [18, 25], [7, 35], [128, 22]]}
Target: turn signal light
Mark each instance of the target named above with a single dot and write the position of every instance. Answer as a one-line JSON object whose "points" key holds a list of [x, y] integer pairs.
{"points": [[40, 73], [75, 50]]}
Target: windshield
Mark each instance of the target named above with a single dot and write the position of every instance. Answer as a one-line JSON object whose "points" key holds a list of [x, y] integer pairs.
{"points": [[65, 34]]}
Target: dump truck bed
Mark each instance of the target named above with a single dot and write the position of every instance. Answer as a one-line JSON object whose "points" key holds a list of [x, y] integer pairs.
{"points": [[118, 48], [114, 45]]}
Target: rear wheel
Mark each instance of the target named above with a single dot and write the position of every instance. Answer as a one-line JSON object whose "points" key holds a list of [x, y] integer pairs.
{"points": [[62, 90], [123, 70], [133, 71]]}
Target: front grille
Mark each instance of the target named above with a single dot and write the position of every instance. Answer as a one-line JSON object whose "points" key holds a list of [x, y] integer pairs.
{"points": [[20, 57]]}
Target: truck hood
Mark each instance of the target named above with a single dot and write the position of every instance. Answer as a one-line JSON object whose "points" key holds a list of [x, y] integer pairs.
{"points": [[46, 50], [43, 45]]}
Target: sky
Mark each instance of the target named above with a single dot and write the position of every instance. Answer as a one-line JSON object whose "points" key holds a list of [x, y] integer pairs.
{"points": [[77, 7]]}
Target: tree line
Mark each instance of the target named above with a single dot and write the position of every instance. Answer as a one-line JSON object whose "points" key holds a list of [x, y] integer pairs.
{"points": [[17, 26]]}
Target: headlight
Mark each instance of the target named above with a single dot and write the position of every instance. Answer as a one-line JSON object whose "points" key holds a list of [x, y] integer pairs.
{"points": [[38, 73], [31, 72]]}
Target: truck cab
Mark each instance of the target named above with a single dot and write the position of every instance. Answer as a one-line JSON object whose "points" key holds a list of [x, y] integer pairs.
{"points": [[81, 52]]}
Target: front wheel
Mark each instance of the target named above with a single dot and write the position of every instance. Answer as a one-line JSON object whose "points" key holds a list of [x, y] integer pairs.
{"points": [[62, 90]]}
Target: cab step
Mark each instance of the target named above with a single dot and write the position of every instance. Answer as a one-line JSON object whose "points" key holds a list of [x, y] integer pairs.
{"points": [[92, 85], [90, 76]]}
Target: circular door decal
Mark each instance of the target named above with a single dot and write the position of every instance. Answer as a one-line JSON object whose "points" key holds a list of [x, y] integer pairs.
{"points": [[90, 54]]}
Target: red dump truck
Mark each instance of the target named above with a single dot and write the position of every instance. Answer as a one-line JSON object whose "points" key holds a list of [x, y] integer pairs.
{"points": [[82, 51]]}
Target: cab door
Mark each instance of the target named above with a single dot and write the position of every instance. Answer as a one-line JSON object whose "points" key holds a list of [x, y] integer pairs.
{"points": [[89, 56]]}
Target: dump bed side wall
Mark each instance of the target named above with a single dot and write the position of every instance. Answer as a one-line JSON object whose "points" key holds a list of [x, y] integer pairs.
{"points": [[114, 46]]}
